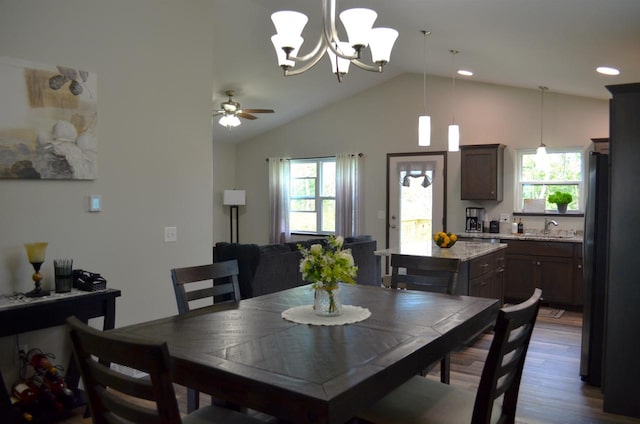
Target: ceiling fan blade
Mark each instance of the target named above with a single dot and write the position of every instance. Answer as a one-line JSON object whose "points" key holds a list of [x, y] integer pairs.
{"points": [[217, 112], [246, 115], [258, 110]]}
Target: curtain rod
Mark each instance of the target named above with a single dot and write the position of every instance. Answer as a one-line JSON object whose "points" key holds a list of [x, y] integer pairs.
{"points": [[319, 157]]}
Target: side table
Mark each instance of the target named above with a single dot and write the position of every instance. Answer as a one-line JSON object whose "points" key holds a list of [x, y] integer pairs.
{"points": [[45, 312]]}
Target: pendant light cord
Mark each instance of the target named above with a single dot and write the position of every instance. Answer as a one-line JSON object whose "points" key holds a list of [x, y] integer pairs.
{"points": [[424, 70], [453, 79], [542, 89]]}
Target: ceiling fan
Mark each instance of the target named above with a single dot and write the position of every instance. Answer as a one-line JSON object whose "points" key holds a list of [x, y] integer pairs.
{"points": [[231, 112]]}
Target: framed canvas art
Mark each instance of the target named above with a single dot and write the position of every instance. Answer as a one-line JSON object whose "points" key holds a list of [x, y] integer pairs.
{"points": [[48, 121]]}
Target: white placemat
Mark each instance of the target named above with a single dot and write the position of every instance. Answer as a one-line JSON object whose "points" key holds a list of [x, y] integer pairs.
{"points": [[305, 315]]}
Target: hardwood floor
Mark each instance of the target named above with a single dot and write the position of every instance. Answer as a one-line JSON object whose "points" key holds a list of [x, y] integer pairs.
{"points": [[551, 390]]}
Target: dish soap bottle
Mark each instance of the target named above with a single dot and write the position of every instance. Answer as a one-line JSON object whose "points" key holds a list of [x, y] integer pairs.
{"points": [[520, 227], [514, 227]]}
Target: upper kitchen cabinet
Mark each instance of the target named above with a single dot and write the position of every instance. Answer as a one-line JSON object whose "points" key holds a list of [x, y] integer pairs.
{"points": [[482, 169]]}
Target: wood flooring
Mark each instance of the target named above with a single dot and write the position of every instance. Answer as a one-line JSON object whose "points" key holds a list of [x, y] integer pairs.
{"points": [[551, 390]]}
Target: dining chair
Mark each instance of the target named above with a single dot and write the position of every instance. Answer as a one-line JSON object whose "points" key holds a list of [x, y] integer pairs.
{"points": [[427, 274], [422, 400], [115, 397], [223, 287]]}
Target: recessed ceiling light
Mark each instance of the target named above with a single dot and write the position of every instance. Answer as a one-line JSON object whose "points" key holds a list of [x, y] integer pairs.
{"points": [[606, 70], [465, 72]]}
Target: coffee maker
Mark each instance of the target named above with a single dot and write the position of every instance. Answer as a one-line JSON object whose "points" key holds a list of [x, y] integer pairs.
{"points": [[475, 218]]}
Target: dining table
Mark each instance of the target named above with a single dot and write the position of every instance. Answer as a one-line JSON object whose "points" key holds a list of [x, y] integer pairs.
{"points": [[248, 354]]}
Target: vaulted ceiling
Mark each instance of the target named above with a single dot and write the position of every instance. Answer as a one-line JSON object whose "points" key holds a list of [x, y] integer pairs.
{"points": [[521, 43]]}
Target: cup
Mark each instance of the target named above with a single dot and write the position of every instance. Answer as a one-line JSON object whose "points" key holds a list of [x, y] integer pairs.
{"points": [[63, 274]]}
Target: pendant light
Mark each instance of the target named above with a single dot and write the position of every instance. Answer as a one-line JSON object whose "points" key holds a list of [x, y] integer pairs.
{"points": [[542, 149], [424, 121], [454, 129]]}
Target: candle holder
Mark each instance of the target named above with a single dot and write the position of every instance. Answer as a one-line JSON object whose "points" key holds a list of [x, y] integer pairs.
{"points": [[35, 253]]}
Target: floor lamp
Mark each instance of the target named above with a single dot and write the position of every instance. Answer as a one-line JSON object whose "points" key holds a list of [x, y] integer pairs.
{"points": [[233, 199]]}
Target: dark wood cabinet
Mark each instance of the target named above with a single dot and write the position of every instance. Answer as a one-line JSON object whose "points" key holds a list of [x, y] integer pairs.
{"points": [[547, 265], [482, 169], [486, 276]]}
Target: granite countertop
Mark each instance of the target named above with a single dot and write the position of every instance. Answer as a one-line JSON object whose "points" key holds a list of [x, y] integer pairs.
{"points": [[463, 250], [554, 236]]}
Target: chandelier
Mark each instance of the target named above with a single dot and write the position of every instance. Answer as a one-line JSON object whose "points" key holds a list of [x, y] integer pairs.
{"points": [[358, 24]]}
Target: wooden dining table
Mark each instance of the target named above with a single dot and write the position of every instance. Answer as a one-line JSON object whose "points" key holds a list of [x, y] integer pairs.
{"points": [[248, 354]]}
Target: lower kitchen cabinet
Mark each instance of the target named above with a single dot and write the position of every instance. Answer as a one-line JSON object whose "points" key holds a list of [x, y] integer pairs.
{"points": [[486, 276], [548, 265]]}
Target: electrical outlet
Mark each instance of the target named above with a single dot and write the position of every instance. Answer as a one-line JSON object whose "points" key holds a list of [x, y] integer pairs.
{"points": [[504, 217], [170, 234]]}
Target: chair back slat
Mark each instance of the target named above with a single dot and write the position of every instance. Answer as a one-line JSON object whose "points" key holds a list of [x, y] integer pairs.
{"points": [[425, 273], [502, 370], [105, 386], [222, 277]]}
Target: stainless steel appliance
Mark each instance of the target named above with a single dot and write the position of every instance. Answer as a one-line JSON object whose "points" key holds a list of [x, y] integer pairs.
{"points": [[475, 218], [594, 269]]}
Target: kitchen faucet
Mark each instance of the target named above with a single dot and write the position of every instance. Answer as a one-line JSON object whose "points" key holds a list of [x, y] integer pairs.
{"points": [[547, 222]]}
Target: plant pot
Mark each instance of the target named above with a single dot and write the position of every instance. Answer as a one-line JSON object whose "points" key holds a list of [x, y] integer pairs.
{"points": [[562, 208], [327, 301]]}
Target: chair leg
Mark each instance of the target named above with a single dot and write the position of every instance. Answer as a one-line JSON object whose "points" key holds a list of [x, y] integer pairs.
{"points": [[445, 369], [193, 400]]}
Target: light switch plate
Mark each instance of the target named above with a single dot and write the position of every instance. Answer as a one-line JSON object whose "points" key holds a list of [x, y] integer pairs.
{"points": [[504, 217]]}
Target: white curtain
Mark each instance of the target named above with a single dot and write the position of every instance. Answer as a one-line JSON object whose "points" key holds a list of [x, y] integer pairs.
{"points": [[279, 200], [348, 181]]}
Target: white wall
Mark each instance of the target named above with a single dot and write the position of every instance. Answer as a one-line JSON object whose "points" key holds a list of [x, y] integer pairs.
{"points": [[384, 120], [154, 62]]}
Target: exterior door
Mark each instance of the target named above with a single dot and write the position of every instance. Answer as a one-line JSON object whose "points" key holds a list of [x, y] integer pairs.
{"points": [[416, 187]]}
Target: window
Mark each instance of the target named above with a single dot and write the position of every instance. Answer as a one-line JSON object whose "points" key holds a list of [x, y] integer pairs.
{"points": [[313, 196], [540, 176]]}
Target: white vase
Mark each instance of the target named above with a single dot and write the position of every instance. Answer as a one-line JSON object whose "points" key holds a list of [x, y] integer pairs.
{"points": [[327, 301]]}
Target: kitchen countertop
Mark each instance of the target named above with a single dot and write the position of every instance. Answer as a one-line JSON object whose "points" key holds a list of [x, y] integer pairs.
{"points": [[533, 236], [463, 250]]}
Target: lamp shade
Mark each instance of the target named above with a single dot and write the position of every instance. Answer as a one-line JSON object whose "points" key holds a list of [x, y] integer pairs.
{"points": [[289, 24], [381, 42], [234, 197], [36, 251], [343, 64], [358, 23], [278, 43], [454, 138], [424, 131]]}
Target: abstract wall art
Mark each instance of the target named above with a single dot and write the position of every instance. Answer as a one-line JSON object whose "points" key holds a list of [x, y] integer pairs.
{"points": [[48, 121]]}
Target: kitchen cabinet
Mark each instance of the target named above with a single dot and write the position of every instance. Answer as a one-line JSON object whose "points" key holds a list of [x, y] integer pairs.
{"points": [[486, 276], [482, 169], [548, 265]]}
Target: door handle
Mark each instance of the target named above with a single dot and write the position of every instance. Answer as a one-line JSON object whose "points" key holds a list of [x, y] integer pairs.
{"points": [[393, 226]]}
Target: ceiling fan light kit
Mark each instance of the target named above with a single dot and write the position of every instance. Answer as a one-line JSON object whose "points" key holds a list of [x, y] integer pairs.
{"points": [[231, 112], [358, 23]]}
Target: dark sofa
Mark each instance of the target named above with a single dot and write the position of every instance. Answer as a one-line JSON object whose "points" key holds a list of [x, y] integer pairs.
{"points": [[274, 267]]}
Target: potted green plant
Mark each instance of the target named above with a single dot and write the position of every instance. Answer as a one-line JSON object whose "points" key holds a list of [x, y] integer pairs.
{"points": [[561, 200]]}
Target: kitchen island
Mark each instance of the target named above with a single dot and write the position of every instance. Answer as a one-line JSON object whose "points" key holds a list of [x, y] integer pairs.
{"points": [[483, 264]]}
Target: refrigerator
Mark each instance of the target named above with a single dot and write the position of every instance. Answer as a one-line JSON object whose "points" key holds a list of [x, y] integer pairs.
{"points": [[595, 255]]}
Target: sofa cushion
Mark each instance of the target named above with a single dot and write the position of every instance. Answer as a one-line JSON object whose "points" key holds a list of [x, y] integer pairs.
{"points": [[356, 239], [274, 249]]}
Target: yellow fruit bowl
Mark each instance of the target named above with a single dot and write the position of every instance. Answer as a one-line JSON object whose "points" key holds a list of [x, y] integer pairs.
{"points": [[445, 240]]}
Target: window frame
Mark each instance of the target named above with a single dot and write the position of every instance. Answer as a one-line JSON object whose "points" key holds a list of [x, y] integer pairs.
{"points": [[519, 183], [319, 199]]}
